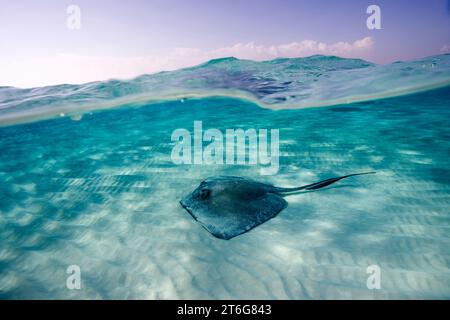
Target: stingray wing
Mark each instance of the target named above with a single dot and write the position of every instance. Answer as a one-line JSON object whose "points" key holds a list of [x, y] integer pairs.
{"points": [[226, 220]]}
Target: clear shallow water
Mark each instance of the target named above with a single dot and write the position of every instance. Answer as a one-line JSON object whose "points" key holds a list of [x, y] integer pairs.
{"points": [[102, 193]]}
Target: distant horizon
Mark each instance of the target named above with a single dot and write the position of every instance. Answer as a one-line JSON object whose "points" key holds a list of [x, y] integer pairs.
{"points": [[220, 58], [52, 41]]}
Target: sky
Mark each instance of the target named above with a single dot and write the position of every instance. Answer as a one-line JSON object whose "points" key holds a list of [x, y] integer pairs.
{"points": [[41, 44]]}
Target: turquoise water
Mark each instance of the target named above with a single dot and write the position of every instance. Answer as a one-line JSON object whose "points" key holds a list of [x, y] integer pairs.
{"points": [[102, 192], [295, 83]]}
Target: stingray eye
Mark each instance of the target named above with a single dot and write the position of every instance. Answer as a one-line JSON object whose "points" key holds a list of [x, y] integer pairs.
{"points": [[204, 194]]}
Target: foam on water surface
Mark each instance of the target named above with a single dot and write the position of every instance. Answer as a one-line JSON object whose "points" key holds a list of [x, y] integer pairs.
{"points": [[102, 193]]}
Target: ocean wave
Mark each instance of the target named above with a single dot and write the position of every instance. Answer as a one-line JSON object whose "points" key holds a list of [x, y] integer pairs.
{"points": [[283, 83]]}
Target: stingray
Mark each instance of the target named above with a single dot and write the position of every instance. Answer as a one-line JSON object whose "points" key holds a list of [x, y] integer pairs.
{"points": [[228, 206]]}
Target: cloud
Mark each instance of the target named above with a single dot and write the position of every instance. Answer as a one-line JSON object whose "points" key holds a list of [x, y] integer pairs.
{"points": [[68, 68], [445, 48], [295, 49]]}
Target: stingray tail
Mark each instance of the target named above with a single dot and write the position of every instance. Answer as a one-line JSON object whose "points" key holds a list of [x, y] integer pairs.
{"points": [[320, 184]]}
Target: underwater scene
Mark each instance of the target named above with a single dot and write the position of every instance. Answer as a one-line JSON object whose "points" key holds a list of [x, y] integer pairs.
{"points": [[87, 178]]}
